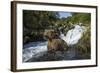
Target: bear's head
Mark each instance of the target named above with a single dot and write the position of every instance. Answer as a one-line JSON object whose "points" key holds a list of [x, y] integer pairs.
{"points": [[51, 34]]}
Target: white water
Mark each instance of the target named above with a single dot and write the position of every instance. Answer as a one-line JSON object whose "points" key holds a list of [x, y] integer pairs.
{"points": [[73, 35], [36, 49]]}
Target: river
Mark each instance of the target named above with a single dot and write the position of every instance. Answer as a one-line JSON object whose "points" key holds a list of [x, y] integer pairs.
{"points": [[37, 51]]}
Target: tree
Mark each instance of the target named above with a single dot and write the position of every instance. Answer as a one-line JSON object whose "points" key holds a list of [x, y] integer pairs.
{"points": [[84, 18], [39, 19]]}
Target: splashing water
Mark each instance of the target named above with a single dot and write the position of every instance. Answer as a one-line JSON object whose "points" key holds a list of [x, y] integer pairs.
{"points": [[73, 35], [36, 49]]}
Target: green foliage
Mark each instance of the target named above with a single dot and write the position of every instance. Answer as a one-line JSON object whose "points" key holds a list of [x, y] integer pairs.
{"points": [[39, 19], [84, 18]]}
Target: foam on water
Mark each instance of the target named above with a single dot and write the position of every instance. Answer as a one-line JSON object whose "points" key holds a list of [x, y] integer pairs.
{"points": [[36, 51]]}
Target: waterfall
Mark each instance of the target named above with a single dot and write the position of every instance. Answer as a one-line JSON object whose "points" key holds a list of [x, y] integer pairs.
{"points": [[73, 35]]}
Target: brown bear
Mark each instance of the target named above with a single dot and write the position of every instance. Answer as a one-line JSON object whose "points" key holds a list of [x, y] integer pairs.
{"points": [[55, 43]]}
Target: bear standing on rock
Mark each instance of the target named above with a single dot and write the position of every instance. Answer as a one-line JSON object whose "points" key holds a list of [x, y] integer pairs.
{"points": [[55, 43]]}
